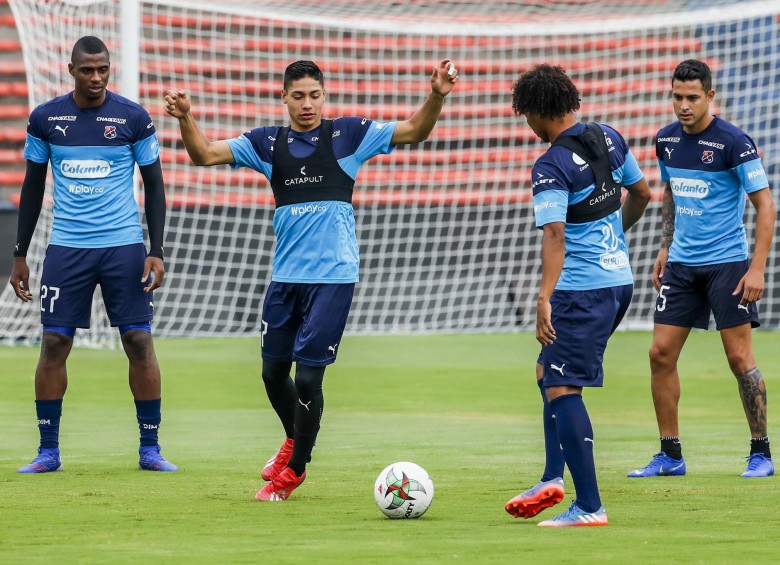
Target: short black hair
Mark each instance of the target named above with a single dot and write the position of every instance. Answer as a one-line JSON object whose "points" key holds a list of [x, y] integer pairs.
{"points": [[301, 69], [89, 45], [545, 91], [693, 69]]}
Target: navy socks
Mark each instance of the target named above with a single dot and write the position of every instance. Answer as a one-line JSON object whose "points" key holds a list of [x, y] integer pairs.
{"points": [[49, 413], [148, 414], [576, 436], [554, 462]]}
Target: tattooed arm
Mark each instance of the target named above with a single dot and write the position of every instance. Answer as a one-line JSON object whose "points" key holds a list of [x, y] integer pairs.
{"points": [[667, 235]]}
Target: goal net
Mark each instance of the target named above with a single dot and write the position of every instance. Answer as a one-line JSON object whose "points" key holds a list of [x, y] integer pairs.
{"points": [[446, 227]]}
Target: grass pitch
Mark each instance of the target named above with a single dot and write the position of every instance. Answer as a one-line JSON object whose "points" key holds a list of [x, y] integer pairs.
{"points": [[465, 407]]}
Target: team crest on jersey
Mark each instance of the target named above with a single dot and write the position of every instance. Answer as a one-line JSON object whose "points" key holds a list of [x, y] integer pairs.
{"points": [[110, 133], [707, 157]]}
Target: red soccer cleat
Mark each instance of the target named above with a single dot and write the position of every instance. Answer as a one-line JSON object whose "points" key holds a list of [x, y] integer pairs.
{"points": [[543, 495], [278, 462], [281, 486]]}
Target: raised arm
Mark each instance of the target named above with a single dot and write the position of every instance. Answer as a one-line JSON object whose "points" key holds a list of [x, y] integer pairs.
{"points": [[419, 126], [200, 149]]}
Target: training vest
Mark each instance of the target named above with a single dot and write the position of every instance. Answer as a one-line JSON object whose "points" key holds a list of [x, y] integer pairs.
{"points": [[314, 178], [591, 146]]}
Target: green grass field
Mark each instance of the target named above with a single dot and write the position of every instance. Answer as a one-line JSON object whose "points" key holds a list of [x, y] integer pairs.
{"points": [[465, 407]]}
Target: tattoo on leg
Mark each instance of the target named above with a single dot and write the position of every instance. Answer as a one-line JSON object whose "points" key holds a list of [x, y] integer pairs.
{"points": [[752, 390]]}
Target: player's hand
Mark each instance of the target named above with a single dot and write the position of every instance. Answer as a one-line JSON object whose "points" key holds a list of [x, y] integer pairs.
{"points": [[177, 103], [751, 286], [153, 266], [545, 333], [659, 267], [20, 279], [444, 77]]}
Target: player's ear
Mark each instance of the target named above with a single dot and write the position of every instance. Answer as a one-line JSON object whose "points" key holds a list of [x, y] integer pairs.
{"points": [[283, 96], [70, 69]]}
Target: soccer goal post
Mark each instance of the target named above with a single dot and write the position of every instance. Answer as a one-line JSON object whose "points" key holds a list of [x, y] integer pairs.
{"points": [[445, 227]]}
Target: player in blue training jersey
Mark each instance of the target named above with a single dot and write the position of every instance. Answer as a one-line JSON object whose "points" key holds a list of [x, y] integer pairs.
{"points": [[311, 165], [93, 139], [586, 284], [708, 166]]}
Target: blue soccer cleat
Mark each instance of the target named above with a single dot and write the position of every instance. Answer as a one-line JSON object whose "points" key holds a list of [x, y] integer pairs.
{"points": [[48, 460], [576, 516], [152, 460], [661, 465], [542, 495], [759, 465]]}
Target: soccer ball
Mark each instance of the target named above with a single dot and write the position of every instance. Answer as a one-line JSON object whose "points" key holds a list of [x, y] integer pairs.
{"points": [[403, 490]]}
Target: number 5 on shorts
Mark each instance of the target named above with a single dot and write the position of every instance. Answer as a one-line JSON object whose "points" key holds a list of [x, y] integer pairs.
{"points": [[660, 306]]}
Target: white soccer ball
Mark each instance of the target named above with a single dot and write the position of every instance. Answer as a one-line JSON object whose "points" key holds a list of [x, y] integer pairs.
{"points": [[403, 490]]}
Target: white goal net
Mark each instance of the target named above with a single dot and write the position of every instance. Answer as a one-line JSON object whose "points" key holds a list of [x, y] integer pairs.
{"points": [[446, 229]]}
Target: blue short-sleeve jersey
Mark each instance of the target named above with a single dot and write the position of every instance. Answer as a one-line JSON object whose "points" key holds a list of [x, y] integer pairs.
{"points": [[709, 174], [93, 152], [596, 252], [316, 241]]}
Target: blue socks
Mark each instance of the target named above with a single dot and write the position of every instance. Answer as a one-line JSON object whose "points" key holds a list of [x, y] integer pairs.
{"points": [[148, 414], [49, 413], [576, 436], [554, 463]]}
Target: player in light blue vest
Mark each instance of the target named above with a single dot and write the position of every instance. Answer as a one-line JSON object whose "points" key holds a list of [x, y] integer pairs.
{"points": [[586, 284], [709, 167], [93, 139], [311, 165]]}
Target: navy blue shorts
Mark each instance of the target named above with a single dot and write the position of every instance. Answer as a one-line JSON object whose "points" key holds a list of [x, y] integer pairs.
{"points": [[304, 322], [688, 295], [70, 276], [583, 321]]}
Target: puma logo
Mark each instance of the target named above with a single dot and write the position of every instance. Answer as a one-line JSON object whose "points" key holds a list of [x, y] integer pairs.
{"points": [[555, 367], [668, 152], [590, 439], [745, 307], [303, 171], [332, 349], [62, 129], [304, 405]]}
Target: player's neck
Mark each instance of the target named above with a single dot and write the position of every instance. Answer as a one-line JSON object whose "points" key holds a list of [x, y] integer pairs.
{"points": [[86, 103], [699, 126], [557, 126], [298, 128]]}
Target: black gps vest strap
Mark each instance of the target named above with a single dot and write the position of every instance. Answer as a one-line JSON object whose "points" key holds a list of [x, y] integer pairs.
{"points": [[591, 146], [309, 179]]}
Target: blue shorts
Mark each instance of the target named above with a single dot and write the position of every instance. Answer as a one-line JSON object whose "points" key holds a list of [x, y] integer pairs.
{"points": [[688, 295], [304, 322], [583, 321], [70, 276]]}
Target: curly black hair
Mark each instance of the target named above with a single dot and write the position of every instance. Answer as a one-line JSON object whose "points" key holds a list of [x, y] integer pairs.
{"points": [[545, 91]]}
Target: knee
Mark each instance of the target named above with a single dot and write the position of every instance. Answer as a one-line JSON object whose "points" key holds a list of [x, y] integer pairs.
{"points": [[740, 361], [275, 372], [308, 381], [55, 348], [660, 358], [138, 345]]}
